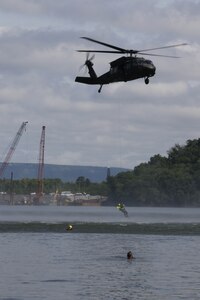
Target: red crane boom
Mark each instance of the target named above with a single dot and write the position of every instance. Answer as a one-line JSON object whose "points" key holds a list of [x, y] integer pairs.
{"points": [[12, 148], [41, 164]]}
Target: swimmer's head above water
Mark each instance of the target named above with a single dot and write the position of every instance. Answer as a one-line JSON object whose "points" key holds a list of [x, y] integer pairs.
{"points": [[130, 255]]}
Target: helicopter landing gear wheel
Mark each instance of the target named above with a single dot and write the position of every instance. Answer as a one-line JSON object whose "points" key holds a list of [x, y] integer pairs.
{"points": [[146, 80]]}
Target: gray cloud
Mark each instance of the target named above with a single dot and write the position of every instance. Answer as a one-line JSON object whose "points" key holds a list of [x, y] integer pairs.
{"points": [[125, 124]]}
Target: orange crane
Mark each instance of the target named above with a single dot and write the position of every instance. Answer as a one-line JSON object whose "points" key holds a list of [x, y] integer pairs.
{"points": [[12, 148], [41, 165]]}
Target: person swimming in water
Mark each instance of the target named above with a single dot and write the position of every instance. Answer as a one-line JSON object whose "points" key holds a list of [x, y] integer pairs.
{"points": [[130, 255]]}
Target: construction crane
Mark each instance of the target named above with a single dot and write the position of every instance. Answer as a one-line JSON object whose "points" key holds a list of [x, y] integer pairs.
{"points": [[12, 148], [41, 167]]}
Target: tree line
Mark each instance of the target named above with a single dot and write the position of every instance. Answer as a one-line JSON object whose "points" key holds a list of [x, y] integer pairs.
{"points": [[27, 186], [163, 181], [173, 180]]}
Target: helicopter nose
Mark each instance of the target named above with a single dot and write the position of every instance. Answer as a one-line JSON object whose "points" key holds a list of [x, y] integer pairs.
{"points": [[152, 69]]}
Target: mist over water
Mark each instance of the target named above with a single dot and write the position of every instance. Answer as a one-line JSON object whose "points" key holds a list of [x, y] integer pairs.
{"points": [[87, 214]]}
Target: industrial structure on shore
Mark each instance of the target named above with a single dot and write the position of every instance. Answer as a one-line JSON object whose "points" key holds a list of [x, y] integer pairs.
{"points": [[64, 199], [39, 198]]}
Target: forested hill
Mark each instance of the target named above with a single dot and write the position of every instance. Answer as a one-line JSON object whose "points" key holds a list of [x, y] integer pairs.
{"points": [[66, 173], [163, 181]]}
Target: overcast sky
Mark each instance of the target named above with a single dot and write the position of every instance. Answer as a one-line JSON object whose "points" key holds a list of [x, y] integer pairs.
{"points": [[126, 123]]}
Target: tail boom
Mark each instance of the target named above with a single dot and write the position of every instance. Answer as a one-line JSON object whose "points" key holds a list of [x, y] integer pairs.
{"points": [[87, 80]]}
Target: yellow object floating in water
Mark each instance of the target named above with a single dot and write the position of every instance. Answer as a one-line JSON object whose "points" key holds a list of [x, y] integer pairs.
{"points": [[69, 227]]}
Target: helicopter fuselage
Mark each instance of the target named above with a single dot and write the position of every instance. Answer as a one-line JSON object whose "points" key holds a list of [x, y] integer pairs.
{"points": [[121, 69]]}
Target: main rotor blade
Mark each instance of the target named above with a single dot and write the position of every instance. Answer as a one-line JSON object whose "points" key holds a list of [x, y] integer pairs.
{"points": [[119, 52], [150, 54], [104, 44], [131, 51], [101, 51], [170, 46]]}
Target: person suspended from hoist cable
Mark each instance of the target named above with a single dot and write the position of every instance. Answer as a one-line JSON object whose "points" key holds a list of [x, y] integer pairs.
{"points": [[122, 208]]}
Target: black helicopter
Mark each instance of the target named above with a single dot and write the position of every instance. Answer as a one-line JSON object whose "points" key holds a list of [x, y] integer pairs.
{"points": [[125, 68]]}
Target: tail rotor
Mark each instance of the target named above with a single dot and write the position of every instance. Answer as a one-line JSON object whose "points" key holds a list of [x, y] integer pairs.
{"points": [[88, 61]]}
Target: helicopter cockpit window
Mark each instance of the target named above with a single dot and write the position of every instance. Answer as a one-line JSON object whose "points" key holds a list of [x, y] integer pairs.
{"points": [[149, 62]]}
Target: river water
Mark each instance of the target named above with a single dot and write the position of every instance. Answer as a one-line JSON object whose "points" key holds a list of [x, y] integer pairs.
{"points": [[41, 260]]}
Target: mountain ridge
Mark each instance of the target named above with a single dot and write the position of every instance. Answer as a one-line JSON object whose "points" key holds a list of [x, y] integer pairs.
{"points": [[67, 173]]}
